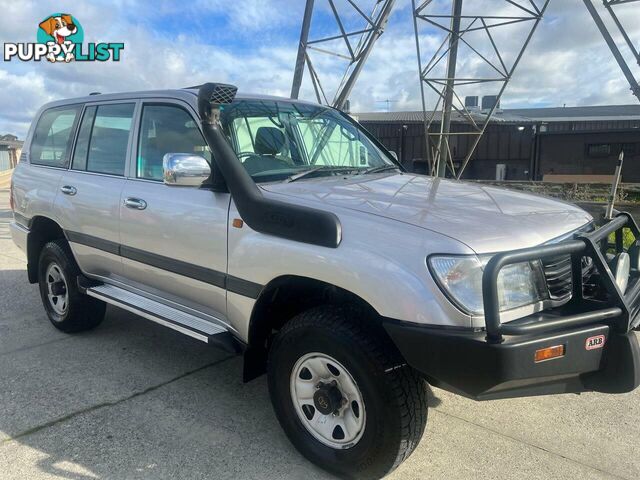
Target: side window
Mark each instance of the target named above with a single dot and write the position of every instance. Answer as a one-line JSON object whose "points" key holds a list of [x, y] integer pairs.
{"points": [[53, 136], [166, 129], [82, 143], [107, 146]]}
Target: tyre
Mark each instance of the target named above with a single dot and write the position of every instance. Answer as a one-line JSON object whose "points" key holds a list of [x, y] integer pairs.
{"points": [[343, 394], [67, 308]]}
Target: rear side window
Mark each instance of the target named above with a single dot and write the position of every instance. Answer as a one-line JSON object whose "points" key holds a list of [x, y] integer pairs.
{"points": [[53, 137], [103, 139]]}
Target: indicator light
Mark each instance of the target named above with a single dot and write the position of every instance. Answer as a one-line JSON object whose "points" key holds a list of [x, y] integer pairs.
{"points": [[549, 353]]}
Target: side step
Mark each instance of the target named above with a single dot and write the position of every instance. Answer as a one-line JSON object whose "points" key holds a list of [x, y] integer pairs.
{"points": [[162, 314]]}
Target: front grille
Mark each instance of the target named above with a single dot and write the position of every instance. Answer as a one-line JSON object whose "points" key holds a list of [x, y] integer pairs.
{"points": [[557, 272]]}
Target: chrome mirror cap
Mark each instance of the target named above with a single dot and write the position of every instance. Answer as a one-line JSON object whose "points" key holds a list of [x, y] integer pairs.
{"points": [[185, 169]]}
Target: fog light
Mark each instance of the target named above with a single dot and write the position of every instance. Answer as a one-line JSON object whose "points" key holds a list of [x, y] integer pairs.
{"points": [[620, 267], [549, 353]]}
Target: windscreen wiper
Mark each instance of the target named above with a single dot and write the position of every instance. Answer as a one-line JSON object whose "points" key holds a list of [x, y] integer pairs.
{"points": [[380, 168], [304, 173], [326, 168]]}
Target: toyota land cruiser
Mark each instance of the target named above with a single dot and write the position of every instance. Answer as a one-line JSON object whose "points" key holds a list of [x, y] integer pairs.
{"points": [[283, 231]]}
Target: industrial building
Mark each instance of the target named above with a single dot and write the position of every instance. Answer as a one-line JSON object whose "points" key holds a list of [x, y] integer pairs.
{"points": [[526, 143], [10, 149]]}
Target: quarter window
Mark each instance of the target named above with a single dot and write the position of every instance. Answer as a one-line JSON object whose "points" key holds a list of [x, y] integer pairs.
{"points": [[106, 151], [53, 136], [166, 129]]}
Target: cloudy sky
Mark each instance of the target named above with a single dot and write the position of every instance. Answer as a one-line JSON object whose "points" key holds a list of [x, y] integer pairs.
{"points": [[253, 44]]}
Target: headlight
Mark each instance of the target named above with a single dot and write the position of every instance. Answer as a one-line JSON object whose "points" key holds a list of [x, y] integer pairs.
{"points": [[460, 277]]}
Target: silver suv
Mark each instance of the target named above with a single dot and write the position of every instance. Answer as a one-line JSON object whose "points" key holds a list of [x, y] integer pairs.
{"points": [[283, 231]]}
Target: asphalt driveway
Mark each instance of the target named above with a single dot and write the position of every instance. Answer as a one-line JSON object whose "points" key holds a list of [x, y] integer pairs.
{"points": [[132, 399]]}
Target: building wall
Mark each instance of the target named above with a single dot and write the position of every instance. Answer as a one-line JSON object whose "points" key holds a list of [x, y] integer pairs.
{"points": [[507, 144], [5, 158], [560, 147], [9, 157], [589, 153]]}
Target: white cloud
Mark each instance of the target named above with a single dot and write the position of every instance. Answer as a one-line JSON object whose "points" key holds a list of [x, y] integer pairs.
{"points": [[255, 47]]}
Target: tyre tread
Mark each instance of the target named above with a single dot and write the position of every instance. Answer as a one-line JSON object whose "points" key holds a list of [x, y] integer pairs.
{"points": [[409, 389], [86, 313]]}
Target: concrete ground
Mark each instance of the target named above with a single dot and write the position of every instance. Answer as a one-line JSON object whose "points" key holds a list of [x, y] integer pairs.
{"points": [[133, 400]]}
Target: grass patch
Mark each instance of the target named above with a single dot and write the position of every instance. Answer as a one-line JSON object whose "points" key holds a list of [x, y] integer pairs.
{"points": [[627, 238]]}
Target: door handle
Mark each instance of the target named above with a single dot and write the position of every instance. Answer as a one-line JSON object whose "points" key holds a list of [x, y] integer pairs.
{"points": [[135, 203], [68, 190]]}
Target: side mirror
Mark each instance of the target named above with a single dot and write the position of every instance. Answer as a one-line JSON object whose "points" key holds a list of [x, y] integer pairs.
{"points": [[185, 169], [394, 154]]}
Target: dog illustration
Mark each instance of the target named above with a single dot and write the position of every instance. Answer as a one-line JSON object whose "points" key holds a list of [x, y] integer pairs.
{"points": [[59, 28]]}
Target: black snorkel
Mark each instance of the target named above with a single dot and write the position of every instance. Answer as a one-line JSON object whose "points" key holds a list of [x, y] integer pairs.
{"points": [[265, 215]]}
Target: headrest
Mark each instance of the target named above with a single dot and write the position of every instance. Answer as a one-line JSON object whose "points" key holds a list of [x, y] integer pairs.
{"points": [[269, 141]]}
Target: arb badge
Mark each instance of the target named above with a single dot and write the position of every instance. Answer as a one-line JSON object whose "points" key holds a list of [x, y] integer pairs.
{"points": [[594, 342]]}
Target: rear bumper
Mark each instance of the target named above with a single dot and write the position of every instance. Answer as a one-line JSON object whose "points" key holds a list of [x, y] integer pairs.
{"points": [[465, 363]]}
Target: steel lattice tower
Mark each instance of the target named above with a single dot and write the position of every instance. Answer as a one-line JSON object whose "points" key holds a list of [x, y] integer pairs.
{"points": [[352, 45]]}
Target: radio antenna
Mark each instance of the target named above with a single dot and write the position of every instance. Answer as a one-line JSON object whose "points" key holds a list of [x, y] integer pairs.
{"points": [[614, 187]]}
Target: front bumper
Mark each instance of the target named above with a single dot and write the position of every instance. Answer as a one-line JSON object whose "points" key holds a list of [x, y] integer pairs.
{"points": [[465, 363], [499, 361]]}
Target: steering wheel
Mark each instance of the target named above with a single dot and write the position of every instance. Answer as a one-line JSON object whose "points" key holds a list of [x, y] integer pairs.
{"points": [[245, 154]]}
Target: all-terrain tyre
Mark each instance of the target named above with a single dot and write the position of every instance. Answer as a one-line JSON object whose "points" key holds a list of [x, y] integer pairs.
{"points": [[68, 309], [343, 394]]}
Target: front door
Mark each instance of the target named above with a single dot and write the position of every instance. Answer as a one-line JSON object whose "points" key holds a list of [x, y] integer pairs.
{"points": [[174, 239]]}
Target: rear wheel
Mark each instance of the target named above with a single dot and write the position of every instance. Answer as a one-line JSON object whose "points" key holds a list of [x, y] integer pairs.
{"points": [[343, 394], [67, 308]]}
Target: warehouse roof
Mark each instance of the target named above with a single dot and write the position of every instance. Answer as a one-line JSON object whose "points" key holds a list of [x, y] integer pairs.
{"points": [[568, 114], [10, 141], [520, 115]]}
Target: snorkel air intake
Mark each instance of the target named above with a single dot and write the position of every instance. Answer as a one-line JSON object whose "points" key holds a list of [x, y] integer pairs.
{"points": [[264, 215]]}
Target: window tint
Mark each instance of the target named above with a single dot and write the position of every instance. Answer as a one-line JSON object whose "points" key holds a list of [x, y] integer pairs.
{"points": [[53, 136], [166, 129], [82, 143], [109, 139]]}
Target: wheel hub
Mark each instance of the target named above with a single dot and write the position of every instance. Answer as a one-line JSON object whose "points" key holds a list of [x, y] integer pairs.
{"points": [[58, 288], [328, 401], [328, 398], [56, 285]]}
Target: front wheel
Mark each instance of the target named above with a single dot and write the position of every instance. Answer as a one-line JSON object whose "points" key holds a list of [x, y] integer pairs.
{"points": [[343, 394]]}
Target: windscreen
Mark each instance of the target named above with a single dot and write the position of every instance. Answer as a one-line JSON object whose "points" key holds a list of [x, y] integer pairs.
{"points": [[276, 140]]}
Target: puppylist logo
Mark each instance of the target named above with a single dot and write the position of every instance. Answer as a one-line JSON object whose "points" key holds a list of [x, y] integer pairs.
{"points": [[60, 38]]}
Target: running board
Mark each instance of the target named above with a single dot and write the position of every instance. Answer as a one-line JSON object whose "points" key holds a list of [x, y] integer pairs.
{"points": [[165, 315]]}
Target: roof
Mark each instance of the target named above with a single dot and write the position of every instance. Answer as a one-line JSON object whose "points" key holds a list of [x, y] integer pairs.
{"points": [[187, 94], [520, 115], [583, 114], [10, 141]]}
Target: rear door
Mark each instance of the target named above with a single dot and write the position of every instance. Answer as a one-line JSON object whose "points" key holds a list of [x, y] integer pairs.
{"points": [[48, 150], [174, 239], [88, 201]]}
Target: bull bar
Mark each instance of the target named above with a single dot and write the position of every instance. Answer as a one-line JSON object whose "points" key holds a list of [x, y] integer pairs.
{"points": [[619, 311]]}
